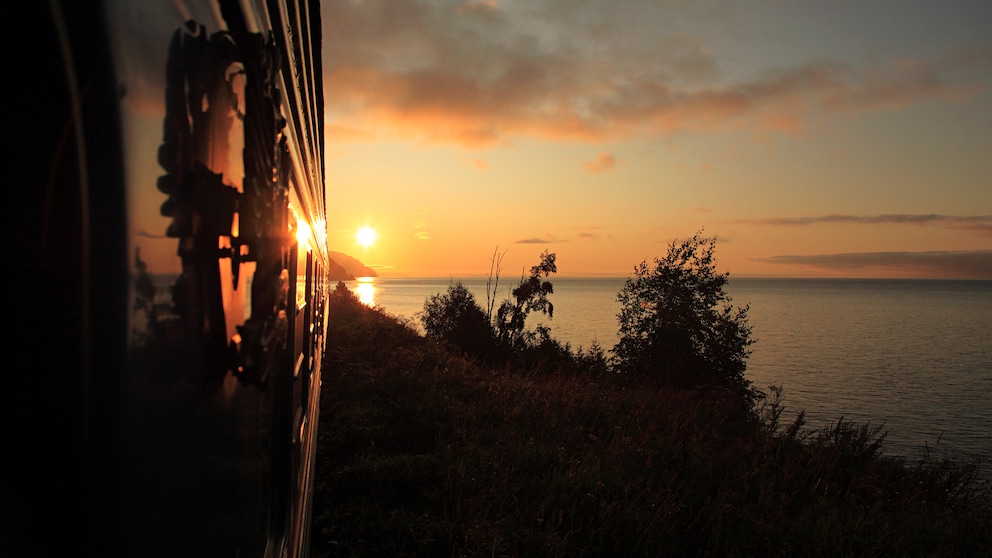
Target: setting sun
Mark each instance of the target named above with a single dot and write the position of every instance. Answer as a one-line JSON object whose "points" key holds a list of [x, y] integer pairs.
{"points": [[366, 236]]}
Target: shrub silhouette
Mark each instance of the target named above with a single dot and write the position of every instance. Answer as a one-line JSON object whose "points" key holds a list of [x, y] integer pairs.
{"points": [[677, 324], [456, 318], [530, 295]]}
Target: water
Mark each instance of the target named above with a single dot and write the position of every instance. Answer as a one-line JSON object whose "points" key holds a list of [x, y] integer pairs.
{"points": [[912, 356]]}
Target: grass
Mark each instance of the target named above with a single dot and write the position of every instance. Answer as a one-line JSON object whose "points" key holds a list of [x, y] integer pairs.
{"points": [[422, 452]]}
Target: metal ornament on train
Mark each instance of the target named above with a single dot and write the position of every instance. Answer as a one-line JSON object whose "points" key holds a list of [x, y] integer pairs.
{"points": [[213, 81]]}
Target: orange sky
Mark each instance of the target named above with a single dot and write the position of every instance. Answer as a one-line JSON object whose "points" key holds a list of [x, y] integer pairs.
{"points": [[831, 139], [845, 138]]}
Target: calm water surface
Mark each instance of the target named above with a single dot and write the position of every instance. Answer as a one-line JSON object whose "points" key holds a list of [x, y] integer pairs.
{"points": [[913, 356]]}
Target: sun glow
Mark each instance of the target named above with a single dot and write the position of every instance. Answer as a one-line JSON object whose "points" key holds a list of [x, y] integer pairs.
{"points": [[303, 233], [365, 289], [366, 236]]}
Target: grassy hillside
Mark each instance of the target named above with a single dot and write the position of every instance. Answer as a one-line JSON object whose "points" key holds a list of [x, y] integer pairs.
{"points": [[425, 453]]}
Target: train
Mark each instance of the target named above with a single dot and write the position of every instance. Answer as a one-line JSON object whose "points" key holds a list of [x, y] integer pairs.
{"points": [[169, 302]]}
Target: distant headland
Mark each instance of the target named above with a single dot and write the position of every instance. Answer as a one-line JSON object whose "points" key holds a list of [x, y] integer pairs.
{"points": [[345, 268]]}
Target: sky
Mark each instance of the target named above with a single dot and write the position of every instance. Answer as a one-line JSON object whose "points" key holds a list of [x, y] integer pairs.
{"points": [[831, 139]]}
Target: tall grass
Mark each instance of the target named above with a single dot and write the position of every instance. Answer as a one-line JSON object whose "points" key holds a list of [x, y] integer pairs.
{"points": [[423, 452]]}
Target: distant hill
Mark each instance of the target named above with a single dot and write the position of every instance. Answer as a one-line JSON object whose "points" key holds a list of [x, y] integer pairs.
{"points": [[346, 268], [337, 273]]}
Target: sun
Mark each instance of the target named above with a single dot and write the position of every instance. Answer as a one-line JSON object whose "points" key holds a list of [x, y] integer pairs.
{"points": [[366, 236]]}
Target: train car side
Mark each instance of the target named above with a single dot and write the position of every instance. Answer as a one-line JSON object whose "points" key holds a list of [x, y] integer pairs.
{"points": [[170, 227]]}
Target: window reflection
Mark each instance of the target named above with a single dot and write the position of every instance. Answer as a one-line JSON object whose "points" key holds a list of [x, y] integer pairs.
{"points": [[365, 289]]}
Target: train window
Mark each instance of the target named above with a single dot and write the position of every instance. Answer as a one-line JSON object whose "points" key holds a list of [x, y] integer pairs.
{"points": [[302, 299]]}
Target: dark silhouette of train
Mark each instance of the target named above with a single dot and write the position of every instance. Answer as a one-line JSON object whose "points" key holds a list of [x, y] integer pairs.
{"points": [[166, 163]]}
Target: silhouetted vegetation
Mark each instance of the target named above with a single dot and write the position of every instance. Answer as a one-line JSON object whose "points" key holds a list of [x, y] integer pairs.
{"points": [[425, 451], [457, 319], [530, 295], [677, 324]]}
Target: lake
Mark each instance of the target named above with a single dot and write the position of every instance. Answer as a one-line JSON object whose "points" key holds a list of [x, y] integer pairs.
{"points": [[912, 356]]}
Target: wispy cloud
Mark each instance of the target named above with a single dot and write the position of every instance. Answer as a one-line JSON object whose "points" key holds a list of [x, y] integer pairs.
{"points": [[975, 264], [602, 163], [591, 232], [982, 224], [546, 239], [481, 72], [420, 234], [533, 241], [479, 5]]}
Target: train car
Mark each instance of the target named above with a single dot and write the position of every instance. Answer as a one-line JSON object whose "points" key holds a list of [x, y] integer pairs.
{"points": [[169, 222]]}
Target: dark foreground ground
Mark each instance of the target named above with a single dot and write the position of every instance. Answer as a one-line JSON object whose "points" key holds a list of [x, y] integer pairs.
{"points": [[423, 453]]}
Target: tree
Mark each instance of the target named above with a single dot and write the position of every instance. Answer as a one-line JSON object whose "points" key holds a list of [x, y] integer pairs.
{"points": [[677, 324], [455, 317], [530, 295], [343, 303]]}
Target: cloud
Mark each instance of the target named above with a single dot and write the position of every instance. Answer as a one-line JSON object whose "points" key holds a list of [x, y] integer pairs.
{"points": [[532, 241], [421, 234], [341, 134], [906, 81], [981, 224], [482, 72], [479, 5], [546, 239], [602, 163], [480, 163], [591, 232], [975, 264]]}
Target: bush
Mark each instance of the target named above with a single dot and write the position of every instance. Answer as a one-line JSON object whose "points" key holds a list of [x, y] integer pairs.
{"points": [[456, 318], [677, 324]]}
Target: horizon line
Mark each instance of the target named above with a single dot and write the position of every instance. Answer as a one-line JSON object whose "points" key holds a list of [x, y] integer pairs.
{"points": [[610, 275]]}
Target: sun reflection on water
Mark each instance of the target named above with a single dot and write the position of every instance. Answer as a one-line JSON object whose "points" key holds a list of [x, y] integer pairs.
{"points": [[365, 289]]}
